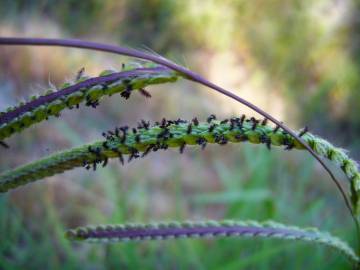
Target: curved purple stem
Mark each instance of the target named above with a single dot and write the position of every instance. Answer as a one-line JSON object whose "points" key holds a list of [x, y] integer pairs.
{"points": [[189, 75]]}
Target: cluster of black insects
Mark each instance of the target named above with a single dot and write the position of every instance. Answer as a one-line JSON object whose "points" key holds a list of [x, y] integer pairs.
{"points": [[89, 102], [165, 134]]}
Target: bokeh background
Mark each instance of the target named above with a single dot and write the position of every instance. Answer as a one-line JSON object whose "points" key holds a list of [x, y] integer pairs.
{"points": [[299, 60]]}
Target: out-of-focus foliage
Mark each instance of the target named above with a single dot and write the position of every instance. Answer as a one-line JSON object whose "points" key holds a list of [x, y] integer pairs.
{"points": [[297, 59]]}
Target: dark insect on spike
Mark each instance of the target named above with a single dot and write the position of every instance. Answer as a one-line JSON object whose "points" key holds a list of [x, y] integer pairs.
{"points": [[164, 134], [79, 74], [163, 123], [220, 139], [145, 93], [134, 130], [303, 131], [144, 124], [232, 124], [124, 128], [126, 94], [264, 122], [189, 129], [147, 151], [210, 118], [288, 144], [137, 138], [212, 127], [195, 121], [224, 121], [265, 139], [105, 162], [117, 132], [105, 145], [242, 119], [133, 154], [201, 141], [123, 138], [254, 125], [121, 158], [3, 144], [77, 106], [276, 128], [182, 147], [241, 137]]}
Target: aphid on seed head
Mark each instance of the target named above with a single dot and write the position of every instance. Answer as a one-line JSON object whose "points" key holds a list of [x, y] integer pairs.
{"points": [[210, 118], [147, 151], [163, 123], [254, 125], [220, 139], [134, 153], [232, 123], [242, 119], [288, 144], [145, 93], [144, 124], [105, 145], [182, 147], [276, 128], [201, 141], [265, 139], [264, 122], [189, 128], [105, 162], [134, 130], [126, 94], [195, 121], [303, 131], [80, 74], [137, 138], [212, 127]]}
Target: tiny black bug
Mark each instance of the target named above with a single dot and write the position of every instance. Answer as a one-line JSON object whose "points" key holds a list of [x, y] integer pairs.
{"points": [[80, 74], [195, 121], [145, 93], [126, 94], [276, 128], [210, 118], [303, 131], [182, 147], [264, 122], [147, 151], [189, 129], [137, 138], [105, 162], [212, 127], [242, 119]]}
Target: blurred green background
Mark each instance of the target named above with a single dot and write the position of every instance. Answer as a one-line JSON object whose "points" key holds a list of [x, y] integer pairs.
{"points": [[299, 60]]}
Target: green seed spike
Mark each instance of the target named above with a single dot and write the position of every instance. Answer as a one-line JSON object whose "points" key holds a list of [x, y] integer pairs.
{"points": [[85, 89], [209, 229], [177, 134]]}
